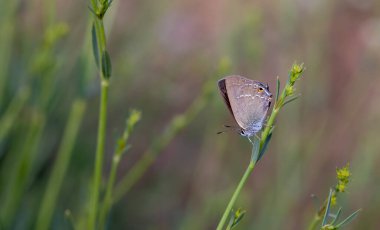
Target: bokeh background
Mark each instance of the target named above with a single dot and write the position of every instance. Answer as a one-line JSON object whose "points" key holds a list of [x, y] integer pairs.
{"points": [[166, 57]]}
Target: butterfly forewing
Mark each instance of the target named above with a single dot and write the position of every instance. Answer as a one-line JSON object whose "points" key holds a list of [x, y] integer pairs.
{"points": [[248, 107]]}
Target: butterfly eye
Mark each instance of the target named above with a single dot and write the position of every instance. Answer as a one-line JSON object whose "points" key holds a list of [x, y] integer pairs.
{"points": [[260, 90]]}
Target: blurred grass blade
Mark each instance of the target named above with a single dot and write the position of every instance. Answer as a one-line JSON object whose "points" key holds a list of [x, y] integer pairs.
{"points": [[19, 171], [60, 165], [7, 120], [8, 19], [327, 208], [178, 123], [70, 220], [348, 219]]}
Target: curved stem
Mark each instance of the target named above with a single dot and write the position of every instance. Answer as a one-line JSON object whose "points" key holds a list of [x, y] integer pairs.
{"points": [[241, 184]]}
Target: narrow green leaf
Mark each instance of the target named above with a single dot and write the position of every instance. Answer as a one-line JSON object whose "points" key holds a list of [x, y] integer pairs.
{"points": [[348, 219], [265, 146], [231, 221], [291, 99], [95, 45], [106, 65], [255, 149], [336, 216], [91, 10], [327, 208], [277, 88]]}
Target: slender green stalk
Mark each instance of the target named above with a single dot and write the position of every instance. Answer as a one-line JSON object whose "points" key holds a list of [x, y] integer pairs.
{"points": [[99, 153], [138, 169], [177, 124], [108, 197], [99, 8], [234, 197], [121, 148], [60, 165]]}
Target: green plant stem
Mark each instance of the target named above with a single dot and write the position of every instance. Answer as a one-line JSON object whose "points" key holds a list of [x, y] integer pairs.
{"points": [[318, 216], [241, 184], [111, 182], [60, 165], [101, 45], [99, 153]]}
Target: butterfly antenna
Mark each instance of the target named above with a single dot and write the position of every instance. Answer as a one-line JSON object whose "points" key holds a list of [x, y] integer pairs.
{"points": [[229, 127]]}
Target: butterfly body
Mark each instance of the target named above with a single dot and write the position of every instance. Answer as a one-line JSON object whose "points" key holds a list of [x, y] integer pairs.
{"points": [[247, 100]]}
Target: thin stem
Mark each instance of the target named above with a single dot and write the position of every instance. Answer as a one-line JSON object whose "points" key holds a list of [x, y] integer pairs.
{"points": [[101, 46], [318, 216], [241, 184], [111, 181], [99, 153], [177, 124]]}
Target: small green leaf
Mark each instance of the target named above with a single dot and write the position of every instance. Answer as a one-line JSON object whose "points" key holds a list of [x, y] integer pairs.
{"points": [[327, 208], [231, 221], [95, 45], [91, 10], [277, 88], [106, 65], [239, 214], [348, 219], [291, 99], [336, 216], [255, 149], [265, 146]]}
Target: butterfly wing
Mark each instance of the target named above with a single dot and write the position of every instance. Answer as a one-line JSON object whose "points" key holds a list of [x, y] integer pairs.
{"points": [[223, 92], [247, 106]]}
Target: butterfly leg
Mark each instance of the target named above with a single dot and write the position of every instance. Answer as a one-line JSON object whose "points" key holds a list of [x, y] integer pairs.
{"points": [[255, 136]]}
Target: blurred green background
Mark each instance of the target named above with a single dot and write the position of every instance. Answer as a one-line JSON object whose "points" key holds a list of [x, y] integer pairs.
{"points": [[166, 58]]}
